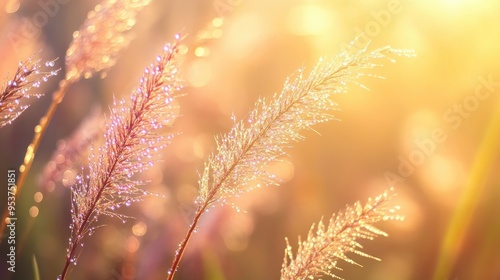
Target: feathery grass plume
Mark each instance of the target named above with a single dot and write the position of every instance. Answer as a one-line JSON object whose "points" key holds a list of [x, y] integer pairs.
{"points": [[239, 164], [28, 75], [103, 34], [131, 145], [71, 151], [94, 48], [318, 255], [273, 125]]}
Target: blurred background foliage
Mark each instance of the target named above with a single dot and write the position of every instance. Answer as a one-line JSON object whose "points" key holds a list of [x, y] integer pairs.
{"points": [[236, 52]]}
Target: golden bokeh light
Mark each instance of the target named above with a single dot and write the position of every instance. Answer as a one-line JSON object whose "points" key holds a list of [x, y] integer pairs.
{"points": [[198, 73], [132, 244], [418, 130], [12, 6], [217, 22], [38, 197], [444, 179], [139, 229], [309, 19], [201, 52], [34, 211], [68, 177], [237, 230]]}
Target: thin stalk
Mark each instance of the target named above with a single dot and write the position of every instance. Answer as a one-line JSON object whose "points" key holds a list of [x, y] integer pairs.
{"points": [[183, 245], [40, 129]]}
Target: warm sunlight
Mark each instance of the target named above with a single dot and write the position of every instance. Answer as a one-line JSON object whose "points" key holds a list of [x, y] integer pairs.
{"points": [[233, 139]]}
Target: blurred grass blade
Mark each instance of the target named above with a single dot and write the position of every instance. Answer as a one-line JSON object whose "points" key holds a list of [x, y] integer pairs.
{"points": [[36, 272], [487, 153], [212, 268]]}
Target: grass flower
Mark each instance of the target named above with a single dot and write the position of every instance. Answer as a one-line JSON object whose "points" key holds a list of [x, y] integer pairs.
{"points": [[94, 48], [318, 255], [274, 124], [131, 145], [239, 163], [72, 150], [28, 75], [103, 34]]}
